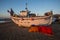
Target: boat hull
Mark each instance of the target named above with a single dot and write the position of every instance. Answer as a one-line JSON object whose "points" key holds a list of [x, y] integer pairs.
{"points": [[28, 22]]}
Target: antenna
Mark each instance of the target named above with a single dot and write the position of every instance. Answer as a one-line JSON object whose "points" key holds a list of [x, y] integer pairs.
{"points": [[26, 6]]}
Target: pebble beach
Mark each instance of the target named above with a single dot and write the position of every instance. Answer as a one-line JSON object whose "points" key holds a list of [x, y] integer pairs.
{"points": [[10, 31]]}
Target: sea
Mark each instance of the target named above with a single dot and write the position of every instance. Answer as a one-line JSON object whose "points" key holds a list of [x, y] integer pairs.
{"points": [[4, 20]]}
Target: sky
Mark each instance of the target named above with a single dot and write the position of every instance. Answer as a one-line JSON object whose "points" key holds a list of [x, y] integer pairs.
{"points": [[36, 6]]}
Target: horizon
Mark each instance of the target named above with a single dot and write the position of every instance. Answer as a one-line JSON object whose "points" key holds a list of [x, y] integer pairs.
{"points": [[36, 6]]}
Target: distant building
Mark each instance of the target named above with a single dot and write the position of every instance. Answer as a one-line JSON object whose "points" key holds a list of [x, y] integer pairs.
{"points": [[57, 16]]}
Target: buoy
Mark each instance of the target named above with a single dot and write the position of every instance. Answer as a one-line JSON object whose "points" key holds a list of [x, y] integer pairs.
{"points": [[46, 30], [33, 29]]}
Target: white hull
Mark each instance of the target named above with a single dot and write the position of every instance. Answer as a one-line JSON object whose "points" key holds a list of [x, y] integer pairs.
{"points": [[27, 22]]}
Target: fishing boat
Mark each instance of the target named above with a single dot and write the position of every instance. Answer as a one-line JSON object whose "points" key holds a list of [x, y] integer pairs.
{"points": [[27, 19]]}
